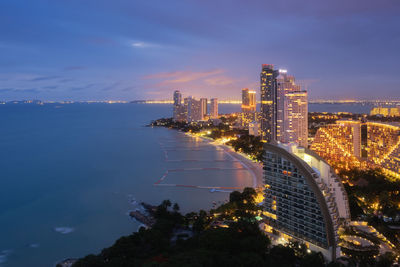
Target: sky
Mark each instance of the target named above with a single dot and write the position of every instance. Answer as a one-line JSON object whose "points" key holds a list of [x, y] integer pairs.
{"points": [[130, 49]]}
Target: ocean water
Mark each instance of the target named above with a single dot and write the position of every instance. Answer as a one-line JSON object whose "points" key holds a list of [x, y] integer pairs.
{"points": [[357, 108], [69, 174]]}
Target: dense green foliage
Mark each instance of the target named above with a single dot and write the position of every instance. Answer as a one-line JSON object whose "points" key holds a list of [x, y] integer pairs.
{"points": [[227, 236], [217, 131], [374, 197], [242, 243], [250, 145], [373, 192]]}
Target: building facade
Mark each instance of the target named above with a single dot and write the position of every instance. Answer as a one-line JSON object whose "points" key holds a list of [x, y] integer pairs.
{"points": [[388, 111], [295, 119], [214, 108], [268, 90], [304, 199], [204, 109], [180, 113], [383, 147], [249, 106], [341, 145], [179, 110], [284, 108], [177, 98], [249, 103], [285, 85], [194, 111], [254, 128]]}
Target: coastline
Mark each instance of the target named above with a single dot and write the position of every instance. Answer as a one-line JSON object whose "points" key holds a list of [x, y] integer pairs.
{"points": [[254, 168]]}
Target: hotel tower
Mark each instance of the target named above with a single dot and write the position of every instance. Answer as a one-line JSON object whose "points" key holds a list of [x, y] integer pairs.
{"points": [[304, 199], [284, 108]]}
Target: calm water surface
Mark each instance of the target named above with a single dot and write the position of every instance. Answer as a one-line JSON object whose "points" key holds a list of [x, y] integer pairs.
{"points": [[70, 173]]}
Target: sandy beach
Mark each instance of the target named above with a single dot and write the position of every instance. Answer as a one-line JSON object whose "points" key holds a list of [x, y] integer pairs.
{"points": [[255, 168]]}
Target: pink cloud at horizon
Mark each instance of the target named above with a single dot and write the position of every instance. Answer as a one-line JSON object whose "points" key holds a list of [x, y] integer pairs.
{"points": [[210, 83]]}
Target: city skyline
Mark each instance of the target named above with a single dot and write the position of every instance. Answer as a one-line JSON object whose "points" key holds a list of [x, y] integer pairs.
{"points": [[66, 50]]}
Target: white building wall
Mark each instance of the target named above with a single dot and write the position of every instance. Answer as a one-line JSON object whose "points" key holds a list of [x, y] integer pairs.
{"points": [[328, 177]]}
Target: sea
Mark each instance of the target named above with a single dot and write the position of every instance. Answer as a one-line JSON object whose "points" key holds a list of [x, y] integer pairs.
{"points": [[70, 174]]}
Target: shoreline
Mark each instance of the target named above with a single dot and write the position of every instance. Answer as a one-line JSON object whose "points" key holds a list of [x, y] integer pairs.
{"points": [[254, 168]]}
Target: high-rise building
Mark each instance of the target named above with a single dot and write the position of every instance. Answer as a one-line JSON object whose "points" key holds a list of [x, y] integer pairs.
{"points": [[214, 108], [179, 110], [340, 143], [248, 100], [285, 85], [295, 119], [383, 147], [304, 199], [389, 111], [180, 113], [268, 102], [177, 98], [291, 99], [193, 107], [284, 108], [249, 106], [204, 110]]}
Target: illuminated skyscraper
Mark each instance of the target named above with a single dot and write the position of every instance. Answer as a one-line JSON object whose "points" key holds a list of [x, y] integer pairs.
{"points": [[177, 98], [248, 100], [304, 199], [249, 105], [193, 107], [179, 110], [285, 84], [284, 108], [268, 102], [203, 103], [295, 119], [214, 108]]}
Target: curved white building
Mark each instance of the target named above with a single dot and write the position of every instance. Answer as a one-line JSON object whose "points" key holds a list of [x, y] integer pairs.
{"points": [[304, 199]]}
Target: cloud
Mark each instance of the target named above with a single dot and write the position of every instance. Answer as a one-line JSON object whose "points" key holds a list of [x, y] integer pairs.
{"points": [[31, 90], [111, 86], [74, 68], [100, 41], [5, 90], [43, 78], [178, 77], [14, 90], [143, 45], [50, 87], [155, 93], [209, 83], [130, 88], [220, 80], [66, 80], [80, 88]]}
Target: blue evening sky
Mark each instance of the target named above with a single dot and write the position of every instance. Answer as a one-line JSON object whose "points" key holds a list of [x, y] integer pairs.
{"points": [[131, 49]]}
